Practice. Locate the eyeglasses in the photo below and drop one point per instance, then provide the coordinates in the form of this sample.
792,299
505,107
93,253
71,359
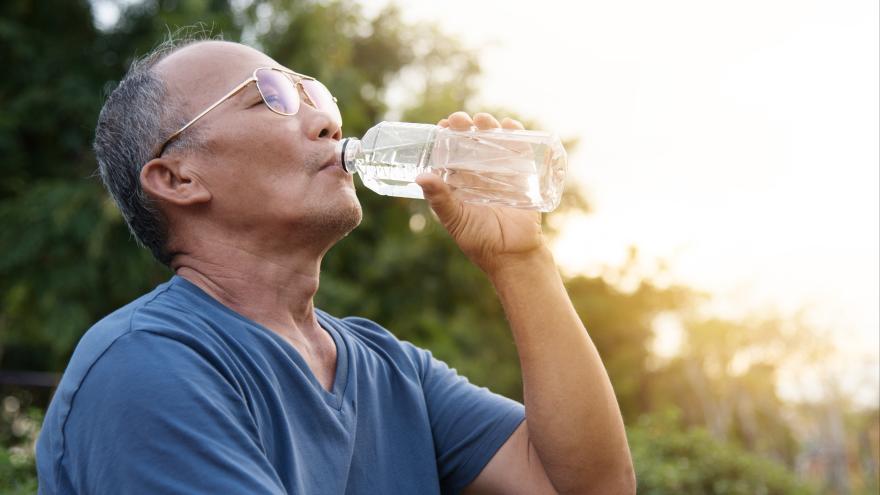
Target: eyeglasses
280,90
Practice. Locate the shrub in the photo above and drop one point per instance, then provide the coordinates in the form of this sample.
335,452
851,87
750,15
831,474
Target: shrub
18,432
672,460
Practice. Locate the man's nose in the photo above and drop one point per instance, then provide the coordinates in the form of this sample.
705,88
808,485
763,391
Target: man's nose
319,124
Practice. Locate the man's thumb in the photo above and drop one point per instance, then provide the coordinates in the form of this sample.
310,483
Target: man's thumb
439,196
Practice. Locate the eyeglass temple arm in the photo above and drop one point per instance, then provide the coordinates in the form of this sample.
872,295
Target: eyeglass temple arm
228,95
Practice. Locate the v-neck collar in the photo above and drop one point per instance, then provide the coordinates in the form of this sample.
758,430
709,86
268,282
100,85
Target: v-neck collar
334,397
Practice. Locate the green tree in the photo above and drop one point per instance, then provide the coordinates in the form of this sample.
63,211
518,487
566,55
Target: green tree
725,379
671,459
67,256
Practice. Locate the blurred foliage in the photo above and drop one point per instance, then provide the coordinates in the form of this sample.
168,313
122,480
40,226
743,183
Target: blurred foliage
621,325
69,259
19,424
671,458
725,378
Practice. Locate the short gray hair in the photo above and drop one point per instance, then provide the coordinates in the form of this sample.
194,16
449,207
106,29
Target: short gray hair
137,116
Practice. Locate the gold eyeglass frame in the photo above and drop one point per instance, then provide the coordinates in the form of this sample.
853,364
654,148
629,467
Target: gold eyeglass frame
295,77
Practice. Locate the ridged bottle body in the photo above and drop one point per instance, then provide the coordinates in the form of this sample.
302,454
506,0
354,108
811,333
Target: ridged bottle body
523,169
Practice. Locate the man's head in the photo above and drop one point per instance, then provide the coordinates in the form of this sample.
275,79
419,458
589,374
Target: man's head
242,174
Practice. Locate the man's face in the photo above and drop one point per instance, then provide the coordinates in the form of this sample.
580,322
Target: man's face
267,173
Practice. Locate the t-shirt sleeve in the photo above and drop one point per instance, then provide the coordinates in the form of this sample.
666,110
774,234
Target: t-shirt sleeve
155,416
469,423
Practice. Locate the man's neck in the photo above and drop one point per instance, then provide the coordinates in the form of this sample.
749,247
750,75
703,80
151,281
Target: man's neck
275,290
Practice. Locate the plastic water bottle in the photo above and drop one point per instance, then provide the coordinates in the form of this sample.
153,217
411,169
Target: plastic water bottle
523,169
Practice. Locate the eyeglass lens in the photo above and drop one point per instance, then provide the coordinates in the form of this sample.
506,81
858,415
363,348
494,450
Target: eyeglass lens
322,98
280,93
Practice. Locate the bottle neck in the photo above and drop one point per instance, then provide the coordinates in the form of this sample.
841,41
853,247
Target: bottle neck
347,149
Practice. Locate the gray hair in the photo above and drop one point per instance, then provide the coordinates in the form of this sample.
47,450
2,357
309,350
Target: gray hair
137,116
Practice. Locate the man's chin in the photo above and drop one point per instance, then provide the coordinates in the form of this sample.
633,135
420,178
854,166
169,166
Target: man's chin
338,222
354,219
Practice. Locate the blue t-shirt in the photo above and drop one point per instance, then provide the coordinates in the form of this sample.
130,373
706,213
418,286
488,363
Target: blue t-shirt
176,393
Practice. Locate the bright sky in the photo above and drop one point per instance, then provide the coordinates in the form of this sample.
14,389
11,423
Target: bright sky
736,140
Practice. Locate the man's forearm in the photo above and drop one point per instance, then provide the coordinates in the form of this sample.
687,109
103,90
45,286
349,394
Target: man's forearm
573,417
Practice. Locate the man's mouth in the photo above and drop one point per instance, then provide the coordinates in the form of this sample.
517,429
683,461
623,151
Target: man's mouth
333,161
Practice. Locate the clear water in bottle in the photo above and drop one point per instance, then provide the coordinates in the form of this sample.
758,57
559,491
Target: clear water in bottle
524,169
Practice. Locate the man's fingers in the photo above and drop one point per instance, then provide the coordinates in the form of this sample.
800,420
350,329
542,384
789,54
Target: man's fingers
509,123
460,121
485,121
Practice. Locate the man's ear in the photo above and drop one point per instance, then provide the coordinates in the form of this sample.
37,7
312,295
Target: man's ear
170,180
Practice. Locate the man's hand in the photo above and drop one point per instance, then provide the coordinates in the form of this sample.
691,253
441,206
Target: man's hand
491,236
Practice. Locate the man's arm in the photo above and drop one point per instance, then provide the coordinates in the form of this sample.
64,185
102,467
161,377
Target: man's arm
574,424
574,433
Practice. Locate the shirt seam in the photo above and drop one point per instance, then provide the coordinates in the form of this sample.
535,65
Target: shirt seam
128,331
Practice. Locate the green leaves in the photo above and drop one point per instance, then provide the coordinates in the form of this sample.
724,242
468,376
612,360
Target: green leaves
670,458
68,259
19,425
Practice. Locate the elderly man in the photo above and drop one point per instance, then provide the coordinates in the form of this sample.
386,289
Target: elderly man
226,379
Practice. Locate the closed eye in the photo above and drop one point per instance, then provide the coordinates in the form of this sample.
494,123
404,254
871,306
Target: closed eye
272,100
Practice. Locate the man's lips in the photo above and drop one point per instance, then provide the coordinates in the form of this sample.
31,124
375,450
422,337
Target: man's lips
333,161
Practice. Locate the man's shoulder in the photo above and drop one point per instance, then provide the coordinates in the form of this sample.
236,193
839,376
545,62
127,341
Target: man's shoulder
126,346
153,319
174,309
100,336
